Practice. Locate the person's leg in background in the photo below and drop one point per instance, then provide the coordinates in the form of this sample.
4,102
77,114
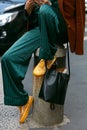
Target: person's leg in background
14,65
48,22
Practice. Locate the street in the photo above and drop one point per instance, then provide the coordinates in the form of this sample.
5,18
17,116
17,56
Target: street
75,108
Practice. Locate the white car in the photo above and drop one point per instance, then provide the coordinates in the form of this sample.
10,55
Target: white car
86,5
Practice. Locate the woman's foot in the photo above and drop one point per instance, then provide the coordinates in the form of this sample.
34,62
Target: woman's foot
24,111
40,69
50,63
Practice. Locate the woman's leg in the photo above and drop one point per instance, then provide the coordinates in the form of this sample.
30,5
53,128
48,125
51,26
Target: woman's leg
14,65
48,22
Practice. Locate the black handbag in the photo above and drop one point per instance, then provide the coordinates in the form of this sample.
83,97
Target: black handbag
54,85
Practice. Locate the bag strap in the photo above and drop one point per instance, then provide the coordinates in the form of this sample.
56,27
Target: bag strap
68,58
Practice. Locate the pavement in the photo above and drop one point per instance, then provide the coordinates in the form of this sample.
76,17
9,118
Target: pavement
75,107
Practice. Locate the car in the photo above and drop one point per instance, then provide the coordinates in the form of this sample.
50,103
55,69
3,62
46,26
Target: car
86,5
13,23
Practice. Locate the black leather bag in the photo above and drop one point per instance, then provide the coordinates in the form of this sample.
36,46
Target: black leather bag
54,85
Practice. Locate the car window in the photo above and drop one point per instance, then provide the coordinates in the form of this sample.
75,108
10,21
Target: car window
18,1
13,1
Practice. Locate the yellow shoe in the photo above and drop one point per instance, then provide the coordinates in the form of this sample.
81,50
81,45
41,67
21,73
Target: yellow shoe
40,69
50,63
26,109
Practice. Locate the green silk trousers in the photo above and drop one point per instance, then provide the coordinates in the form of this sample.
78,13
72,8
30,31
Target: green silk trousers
16,59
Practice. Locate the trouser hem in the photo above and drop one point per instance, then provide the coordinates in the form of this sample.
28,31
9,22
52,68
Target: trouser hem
15,101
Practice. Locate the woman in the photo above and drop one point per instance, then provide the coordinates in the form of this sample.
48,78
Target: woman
45,23
73,12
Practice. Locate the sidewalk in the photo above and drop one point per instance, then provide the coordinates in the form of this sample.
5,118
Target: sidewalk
75,108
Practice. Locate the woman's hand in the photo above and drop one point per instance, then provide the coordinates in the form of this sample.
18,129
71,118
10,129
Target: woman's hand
31,3
41,2
29,6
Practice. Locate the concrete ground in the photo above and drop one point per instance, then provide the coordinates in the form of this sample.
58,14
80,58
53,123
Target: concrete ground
75,108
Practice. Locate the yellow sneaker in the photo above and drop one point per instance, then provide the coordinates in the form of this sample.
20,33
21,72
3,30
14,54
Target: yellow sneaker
50,62
26,109
40,69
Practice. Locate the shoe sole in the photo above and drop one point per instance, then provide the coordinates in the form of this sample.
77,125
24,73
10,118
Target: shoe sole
38,75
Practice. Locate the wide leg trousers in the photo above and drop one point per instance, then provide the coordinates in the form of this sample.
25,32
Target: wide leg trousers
15,61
